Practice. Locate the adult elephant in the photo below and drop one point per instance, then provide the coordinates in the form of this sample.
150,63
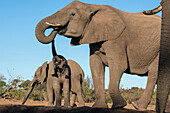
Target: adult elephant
163,83
125,42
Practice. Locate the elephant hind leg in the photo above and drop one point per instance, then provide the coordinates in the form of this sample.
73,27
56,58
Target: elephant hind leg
73,97
80,99
78,93
145,99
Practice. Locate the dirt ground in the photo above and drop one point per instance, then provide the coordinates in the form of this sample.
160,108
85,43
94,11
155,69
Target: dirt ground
15,106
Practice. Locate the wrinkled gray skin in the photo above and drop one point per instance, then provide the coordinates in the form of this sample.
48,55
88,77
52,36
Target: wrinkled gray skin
125,42
58,77
163,82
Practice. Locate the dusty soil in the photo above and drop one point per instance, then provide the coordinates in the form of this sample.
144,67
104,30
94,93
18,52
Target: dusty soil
15,106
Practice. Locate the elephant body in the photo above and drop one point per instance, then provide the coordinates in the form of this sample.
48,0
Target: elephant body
74,80
125,42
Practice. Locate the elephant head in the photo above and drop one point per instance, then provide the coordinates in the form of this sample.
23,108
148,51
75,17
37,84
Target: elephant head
59,62
83,23
39,78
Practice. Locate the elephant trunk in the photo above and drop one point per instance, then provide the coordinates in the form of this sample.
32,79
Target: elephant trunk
40,29
53,49
29,91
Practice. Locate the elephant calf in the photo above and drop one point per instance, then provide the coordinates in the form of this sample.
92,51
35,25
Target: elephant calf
60,73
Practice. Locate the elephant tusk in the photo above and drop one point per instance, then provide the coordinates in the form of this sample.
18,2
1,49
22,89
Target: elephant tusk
56,25
72,44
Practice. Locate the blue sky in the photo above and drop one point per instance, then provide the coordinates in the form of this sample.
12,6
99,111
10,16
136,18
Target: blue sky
21,53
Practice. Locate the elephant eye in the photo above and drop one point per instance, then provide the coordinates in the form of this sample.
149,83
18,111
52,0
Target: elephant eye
73,14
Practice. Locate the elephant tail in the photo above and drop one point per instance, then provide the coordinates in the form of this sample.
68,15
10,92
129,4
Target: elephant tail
82,82
153,11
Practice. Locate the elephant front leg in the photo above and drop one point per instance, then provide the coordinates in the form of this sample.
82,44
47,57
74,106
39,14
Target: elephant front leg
57,92
66,93
50,91
116,72
97,70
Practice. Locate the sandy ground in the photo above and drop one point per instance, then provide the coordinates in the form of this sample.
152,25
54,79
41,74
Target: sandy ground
45,103
15,106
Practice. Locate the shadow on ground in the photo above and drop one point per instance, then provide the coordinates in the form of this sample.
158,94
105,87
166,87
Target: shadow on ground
45,109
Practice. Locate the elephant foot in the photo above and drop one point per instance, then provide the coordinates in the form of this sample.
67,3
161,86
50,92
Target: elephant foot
57,105
118,106
49,104
99,104
74,105
66,106
137,106
81,105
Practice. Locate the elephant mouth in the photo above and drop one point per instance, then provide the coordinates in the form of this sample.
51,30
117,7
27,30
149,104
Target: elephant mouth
61,30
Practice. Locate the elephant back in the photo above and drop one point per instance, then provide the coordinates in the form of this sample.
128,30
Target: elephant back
74,68
77,74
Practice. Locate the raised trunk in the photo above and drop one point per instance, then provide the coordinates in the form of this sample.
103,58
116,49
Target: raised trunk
40,29
163,83
29,91
53,49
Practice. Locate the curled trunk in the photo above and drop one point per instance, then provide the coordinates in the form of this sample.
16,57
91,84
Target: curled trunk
53,49
55,56
40,29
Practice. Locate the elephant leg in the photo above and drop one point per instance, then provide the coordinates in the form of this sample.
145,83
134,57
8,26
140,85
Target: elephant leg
80,99
145,99
66,93
97,70
50,92
78,90
117,62
57,92
73,97
116,72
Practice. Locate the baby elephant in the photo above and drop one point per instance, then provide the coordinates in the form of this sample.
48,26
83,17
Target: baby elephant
66,73
60,74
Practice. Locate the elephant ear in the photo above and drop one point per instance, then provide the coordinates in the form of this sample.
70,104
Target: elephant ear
41,73
106,24
52,71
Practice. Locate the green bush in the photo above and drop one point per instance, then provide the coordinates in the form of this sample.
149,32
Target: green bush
40,92
89,91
